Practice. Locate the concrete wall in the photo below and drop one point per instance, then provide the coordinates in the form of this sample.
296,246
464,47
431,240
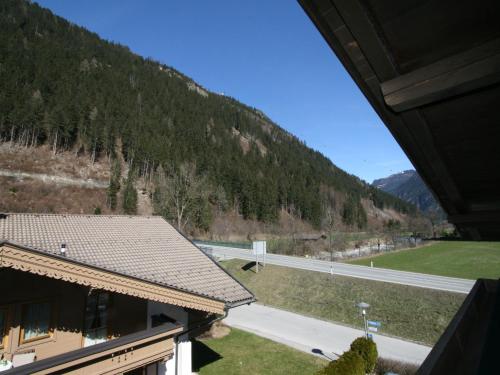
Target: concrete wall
182,358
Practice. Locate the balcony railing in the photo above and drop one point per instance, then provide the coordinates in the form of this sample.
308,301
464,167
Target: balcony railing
112,357
470,343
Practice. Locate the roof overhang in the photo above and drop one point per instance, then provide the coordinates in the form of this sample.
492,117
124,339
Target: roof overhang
431,70
469,345
58,267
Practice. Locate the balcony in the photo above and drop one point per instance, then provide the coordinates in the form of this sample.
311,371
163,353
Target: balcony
470,344
116,356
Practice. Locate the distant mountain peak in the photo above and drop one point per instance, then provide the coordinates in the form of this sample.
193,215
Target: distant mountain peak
409,186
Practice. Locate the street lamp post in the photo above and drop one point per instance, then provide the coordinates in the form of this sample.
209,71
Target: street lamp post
363,306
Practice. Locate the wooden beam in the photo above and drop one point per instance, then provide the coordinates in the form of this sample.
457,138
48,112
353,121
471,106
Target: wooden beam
459,74
436,174
475,217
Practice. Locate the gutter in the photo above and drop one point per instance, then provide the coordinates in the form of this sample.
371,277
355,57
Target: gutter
241,303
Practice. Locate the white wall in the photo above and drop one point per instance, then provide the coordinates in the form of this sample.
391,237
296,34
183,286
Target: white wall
182,351
184,361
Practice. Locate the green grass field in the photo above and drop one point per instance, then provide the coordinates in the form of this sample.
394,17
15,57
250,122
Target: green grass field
469,260
413,313
244,353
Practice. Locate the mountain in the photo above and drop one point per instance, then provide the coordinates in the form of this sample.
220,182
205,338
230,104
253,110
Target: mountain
409,186
63,87
392,183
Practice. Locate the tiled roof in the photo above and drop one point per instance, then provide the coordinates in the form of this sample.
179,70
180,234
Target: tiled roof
143,247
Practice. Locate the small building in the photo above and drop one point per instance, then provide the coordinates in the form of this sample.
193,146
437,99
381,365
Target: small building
105,294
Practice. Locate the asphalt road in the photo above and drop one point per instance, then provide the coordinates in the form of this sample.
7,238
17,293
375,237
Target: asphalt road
316,336
378,274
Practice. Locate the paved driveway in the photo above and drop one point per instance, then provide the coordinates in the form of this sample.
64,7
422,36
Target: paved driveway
314,336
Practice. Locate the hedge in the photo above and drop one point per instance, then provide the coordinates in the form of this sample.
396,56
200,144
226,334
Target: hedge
367,349
360,360
349,363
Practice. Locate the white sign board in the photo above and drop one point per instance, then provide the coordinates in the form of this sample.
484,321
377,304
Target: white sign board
259,247
373,329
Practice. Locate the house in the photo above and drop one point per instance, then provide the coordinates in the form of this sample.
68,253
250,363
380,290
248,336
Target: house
431,71
105,294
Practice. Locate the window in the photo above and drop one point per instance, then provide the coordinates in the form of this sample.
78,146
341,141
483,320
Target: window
35,322
3,326
96,318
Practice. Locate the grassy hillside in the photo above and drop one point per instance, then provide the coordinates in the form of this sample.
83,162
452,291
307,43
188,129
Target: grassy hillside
243,353
464,259
413,313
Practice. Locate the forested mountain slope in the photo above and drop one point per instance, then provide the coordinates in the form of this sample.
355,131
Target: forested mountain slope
409,186
63,86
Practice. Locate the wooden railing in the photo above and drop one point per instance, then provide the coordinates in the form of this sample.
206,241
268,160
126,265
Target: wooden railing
469,345
112,357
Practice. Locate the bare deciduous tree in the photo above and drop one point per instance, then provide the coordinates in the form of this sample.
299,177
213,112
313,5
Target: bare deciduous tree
177,192
220,200
329,219
330,227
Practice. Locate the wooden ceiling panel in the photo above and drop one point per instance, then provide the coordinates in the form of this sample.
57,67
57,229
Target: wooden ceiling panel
420,32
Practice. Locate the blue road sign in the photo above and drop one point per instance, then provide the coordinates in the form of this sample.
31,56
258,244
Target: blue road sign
370,336
373,323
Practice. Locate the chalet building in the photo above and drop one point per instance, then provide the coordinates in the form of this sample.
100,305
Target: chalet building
104,295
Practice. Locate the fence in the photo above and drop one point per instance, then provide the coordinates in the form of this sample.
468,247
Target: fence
240,245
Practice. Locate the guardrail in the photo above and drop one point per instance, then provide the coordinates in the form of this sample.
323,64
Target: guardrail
239,245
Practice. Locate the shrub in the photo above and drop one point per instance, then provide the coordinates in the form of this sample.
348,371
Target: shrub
385,365
349,363
367,349
97,210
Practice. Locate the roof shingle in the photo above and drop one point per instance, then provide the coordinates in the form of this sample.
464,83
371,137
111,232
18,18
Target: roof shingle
144,247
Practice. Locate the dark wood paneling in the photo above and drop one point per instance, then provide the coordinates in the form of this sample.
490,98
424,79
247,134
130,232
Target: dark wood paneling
456,75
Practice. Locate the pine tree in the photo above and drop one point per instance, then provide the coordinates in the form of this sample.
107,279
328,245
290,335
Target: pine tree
130,195
114,184
63,86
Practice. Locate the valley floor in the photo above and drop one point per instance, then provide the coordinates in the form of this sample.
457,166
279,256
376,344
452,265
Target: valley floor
464,259
412,313
421,280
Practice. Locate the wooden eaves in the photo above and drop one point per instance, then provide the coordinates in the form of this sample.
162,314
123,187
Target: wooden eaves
58,267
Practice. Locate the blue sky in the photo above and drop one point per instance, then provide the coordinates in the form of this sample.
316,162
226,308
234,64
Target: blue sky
266,54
